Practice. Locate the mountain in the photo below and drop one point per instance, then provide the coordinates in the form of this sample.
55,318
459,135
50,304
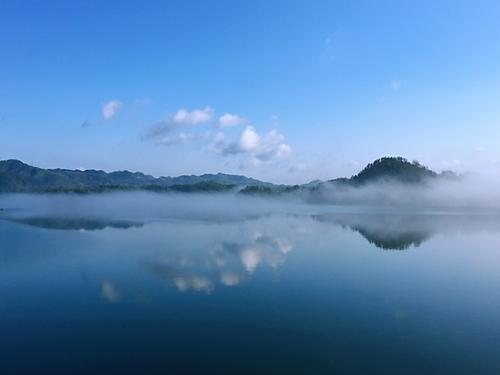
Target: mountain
16,176
395,169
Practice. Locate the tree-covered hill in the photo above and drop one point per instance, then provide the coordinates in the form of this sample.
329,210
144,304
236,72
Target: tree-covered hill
16,176
395,169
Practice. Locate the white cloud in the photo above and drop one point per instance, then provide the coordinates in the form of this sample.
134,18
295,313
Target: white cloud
168,132
276,152
196,116
229,119
249,140
261,148
254,148
110,109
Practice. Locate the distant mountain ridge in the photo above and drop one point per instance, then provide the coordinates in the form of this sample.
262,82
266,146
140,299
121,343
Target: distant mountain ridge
16,176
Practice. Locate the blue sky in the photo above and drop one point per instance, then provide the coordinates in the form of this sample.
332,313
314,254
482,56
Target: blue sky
284,91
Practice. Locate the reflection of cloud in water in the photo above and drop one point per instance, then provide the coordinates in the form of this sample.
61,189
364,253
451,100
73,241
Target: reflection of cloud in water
178,272
229,279
110,292
228,263
199,283
251,258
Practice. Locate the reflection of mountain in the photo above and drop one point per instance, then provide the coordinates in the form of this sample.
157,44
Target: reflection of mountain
393,241
387,231
61,223
392,231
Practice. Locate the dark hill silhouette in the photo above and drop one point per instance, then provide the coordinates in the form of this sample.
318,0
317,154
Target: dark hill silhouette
394,169
16,176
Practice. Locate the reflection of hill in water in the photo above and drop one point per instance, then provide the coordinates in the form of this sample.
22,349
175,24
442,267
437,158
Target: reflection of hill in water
391,231
393,241
60,223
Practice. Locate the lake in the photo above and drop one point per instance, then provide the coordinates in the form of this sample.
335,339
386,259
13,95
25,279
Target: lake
144,283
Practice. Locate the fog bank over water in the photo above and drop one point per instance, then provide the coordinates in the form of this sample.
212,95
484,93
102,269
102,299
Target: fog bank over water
390,216
465,193
142,206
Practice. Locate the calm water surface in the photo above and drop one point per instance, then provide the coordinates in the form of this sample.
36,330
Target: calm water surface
143,284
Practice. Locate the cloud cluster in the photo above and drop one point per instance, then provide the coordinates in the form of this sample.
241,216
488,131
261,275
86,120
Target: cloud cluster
250,146
195,117
228,120
261,147
181,138
228,263
110,109
171,130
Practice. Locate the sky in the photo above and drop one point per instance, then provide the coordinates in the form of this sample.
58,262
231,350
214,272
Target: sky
284,91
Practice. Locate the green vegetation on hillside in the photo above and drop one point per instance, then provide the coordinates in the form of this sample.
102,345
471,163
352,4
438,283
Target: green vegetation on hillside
393,168
16,176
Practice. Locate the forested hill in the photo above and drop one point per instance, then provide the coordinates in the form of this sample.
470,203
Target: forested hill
394,169
389,169
16,176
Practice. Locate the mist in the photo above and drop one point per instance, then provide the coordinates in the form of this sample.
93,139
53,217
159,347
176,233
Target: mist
465,195
468,193
141,206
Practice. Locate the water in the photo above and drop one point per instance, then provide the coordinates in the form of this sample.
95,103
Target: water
157,284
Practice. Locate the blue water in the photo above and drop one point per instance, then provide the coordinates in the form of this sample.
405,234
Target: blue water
135,284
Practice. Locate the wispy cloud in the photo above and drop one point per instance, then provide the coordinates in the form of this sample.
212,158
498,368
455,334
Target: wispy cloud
229,119
170,131
110,109
194,117
251,147
178,138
